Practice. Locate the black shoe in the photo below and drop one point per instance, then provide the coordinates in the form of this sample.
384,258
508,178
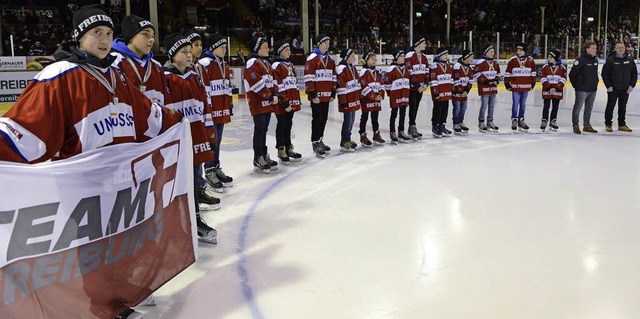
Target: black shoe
226,180
206,201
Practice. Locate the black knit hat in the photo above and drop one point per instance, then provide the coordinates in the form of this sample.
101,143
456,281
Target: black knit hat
215,41
173,43
192,36
441,51
132,25
487,48
255,43
522,46
368,55
397,54
87,18
466,54
417,40
345,53
555,54
280,46
321,38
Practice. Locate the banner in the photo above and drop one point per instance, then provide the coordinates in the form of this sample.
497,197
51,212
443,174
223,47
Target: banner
90,236
13,83
13,63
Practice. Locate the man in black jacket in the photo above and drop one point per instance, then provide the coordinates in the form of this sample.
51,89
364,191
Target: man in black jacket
584,78
620,76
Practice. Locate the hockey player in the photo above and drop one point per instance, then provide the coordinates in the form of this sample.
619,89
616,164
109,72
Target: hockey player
418,66
135,58
45,123
262,95
320,85
553,78
182,83
397,83
487,75
372,95
519,79
441,91
348,97
462,83
219,88
285,76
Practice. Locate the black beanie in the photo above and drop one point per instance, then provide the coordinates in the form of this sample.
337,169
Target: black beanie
89,17
254,44
556,54
466,54
133,24
344,54
173,43
192,36
280,46
417,40
441,51
367,56
487,48
397,54
215,41
522,46
321,38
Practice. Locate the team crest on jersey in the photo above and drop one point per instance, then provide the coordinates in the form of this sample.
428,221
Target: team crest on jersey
575,62
122,77
253,75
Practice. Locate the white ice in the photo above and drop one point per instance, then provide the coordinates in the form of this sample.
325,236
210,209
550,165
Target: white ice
514,225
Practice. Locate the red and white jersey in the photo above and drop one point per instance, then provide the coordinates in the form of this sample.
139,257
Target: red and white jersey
372,88
284,73
462,81
418,66
185,96
520,74
147,75
441,83
259,85
487,75
218,76
397,83
553,76
348,88
66,110
320,76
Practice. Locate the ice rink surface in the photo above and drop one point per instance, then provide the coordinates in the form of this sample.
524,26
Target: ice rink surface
509,225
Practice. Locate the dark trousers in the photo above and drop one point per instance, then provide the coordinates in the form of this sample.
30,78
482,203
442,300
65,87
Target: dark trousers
319,115
260,127
440,111
283,129
394,114
622,97
554,109
414,103
216,148
374,121
347,126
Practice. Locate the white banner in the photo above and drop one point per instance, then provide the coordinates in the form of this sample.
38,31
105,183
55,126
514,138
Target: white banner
10,63
13,83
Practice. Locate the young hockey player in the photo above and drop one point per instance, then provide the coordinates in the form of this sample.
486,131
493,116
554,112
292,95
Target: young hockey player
462,83
372,95
487,75
320,85
135,58
397,83
262,95
285,76
181,82
519,79
418,66
441,91
219,88
348,97
553,78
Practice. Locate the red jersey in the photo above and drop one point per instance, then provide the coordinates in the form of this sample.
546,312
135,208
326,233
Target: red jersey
66,110
487,75
371,83
441,81
259,85
553,77
520,74
184,97
146,74
462,81
397,84
348,88
418,66
218,77
285,76
320,76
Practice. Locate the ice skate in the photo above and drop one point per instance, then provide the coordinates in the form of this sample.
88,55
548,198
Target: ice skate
377,139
